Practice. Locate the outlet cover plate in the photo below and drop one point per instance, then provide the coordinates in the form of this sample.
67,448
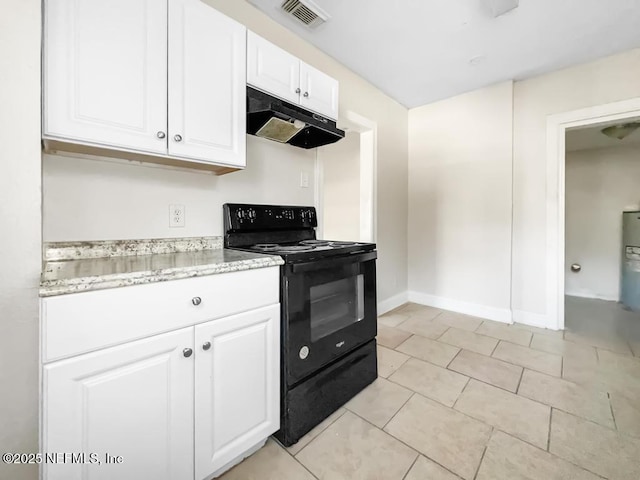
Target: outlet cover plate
176,216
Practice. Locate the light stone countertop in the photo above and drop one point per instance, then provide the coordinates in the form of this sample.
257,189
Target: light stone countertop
77,275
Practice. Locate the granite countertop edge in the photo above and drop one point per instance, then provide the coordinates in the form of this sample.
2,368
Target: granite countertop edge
50,288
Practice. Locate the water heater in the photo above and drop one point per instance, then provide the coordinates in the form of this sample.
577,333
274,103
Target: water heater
630,281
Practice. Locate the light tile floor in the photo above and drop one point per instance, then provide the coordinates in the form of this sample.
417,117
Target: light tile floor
459,397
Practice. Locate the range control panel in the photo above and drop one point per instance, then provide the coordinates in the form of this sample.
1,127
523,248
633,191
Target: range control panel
245,217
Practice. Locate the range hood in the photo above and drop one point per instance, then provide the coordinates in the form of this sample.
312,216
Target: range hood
272,118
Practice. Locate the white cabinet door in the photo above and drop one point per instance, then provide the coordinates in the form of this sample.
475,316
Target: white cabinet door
271,69
319,91
207,83
105,72
237,386
134,401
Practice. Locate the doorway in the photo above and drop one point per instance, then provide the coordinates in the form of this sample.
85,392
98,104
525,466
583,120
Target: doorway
602,206
345,182
557,127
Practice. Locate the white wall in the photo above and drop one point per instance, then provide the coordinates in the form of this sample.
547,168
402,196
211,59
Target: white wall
102,200
341,188
607,80
460,153
600,184
20,250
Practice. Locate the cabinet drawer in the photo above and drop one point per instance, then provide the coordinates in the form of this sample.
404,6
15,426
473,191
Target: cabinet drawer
82,322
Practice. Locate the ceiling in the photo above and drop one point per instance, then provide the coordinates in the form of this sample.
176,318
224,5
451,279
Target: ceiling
420,51
592,137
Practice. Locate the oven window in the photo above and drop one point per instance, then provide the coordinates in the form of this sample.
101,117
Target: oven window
336,305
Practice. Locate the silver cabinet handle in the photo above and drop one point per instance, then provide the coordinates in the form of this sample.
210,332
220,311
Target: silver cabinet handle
161,134
206,345
196,301
298,91
187,352
177,138
305,94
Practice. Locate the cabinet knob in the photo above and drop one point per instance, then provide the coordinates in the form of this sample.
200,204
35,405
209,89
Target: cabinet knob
298,91
177,138
161,134
196,301
187,352
206,345
305,94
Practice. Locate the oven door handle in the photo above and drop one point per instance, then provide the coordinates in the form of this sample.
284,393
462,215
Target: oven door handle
329,263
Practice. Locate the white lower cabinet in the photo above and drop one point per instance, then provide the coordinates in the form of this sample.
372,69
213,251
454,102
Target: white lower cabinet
197,398
237,386
134,401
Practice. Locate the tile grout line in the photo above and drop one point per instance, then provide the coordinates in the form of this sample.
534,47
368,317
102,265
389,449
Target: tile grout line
495,348
549,432
483,454
398,411
613,415
453,407
520,382
411,466
454,357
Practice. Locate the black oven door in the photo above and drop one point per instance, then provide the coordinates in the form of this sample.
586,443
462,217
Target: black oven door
329,308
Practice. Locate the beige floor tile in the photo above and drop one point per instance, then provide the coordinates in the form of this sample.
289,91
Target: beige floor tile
317,430
450,438
392,319
271,462
595,448
487,369
518,416
469,341
541,331
532,359
417,309
624,364
352,449
558,346
502,331
425,469
627,414
458,320
617,345
391,337
430,380
379,401
508,458
423,326
568,396
429,350
635,347
389,361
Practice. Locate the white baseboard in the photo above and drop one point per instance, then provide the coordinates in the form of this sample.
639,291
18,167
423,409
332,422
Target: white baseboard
483,311
532,319
390,303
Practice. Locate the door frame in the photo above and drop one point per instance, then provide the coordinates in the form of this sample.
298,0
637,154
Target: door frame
557,126
368,130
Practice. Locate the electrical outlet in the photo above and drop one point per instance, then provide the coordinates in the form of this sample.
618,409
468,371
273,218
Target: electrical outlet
304,179
176,216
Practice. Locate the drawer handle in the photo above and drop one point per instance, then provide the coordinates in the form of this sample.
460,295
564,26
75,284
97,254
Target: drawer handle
206,345
187,352
196,301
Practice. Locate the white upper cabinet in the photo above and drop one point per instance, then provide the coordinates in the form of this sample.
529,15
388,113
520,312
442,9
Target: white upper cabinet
237,397
319,92
207,72
133,401
273,70
105,67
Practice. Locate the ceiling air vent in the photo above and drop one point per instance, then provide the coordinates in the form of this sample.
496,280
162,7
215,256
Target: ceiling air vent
305,11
